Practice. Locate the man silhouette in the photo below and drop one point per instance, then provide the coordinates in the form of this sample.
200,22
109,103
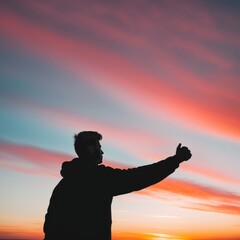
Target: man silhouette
80,205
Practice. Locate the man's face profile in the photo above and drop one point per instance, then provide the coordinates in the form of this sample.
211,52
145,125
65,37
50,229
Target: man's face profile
96,152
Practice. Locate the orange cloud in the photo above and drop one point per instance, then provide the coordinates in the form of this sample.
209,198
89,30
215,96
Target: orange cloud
197,192
222,208
10,232
194,190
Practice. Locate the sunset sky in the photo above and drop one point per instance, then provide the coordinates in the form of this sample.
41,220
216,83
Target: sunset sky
147,75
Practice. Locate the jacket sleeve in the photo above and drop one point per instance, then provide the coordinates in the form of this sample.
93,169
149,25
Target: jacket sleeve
134,179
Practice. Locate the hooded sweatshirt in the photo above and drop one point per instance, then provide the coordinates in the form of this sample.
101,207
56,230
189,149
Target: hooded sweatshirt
80,205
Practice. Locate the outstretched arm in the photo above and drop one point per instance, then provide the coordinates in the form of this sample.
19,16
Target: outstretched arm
134,179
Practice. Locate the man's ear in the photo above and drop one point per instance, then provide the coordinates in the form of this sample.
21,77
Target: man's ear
90,148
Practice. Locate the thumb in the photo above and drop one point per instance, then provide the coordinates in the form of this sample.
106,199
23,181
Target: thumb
179,146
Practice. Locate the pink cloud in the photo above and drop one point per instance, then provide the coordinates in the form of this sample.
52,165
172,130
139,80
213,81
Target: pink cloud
210,173
31,154
41,162
201,23
119,74
30,160
203,53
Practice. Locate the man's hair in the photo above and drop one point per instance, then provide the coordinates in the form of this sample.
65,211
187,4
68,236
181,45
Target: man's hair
85,138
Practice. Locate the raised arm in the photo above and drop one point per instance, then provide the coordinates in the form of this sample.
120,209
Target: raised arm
134,179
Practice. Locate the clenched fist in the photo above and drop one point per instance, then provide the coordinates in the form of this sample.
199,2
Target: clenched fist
183,153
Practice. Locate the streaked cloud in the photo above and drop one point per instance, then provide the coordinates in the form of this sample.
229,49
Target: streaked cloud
203,194
194,190
211,173
221,208
219,102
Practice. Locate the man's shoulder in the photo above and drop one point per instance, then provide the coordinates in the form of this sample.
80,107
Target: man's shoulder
103,167
107,169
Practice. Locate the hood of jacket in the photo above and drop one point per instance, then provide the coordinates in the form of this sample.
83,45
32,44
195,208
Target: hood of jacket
74,167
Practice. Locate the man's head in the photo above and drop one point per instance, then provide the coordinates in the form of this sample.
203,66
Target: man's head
87,144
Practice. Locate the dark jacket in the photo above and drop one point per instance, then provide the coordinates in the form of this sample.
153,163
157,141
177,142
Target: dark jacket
80,205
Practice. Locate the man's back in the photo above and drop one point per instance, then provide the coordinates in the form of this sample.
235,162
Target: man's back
80,206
